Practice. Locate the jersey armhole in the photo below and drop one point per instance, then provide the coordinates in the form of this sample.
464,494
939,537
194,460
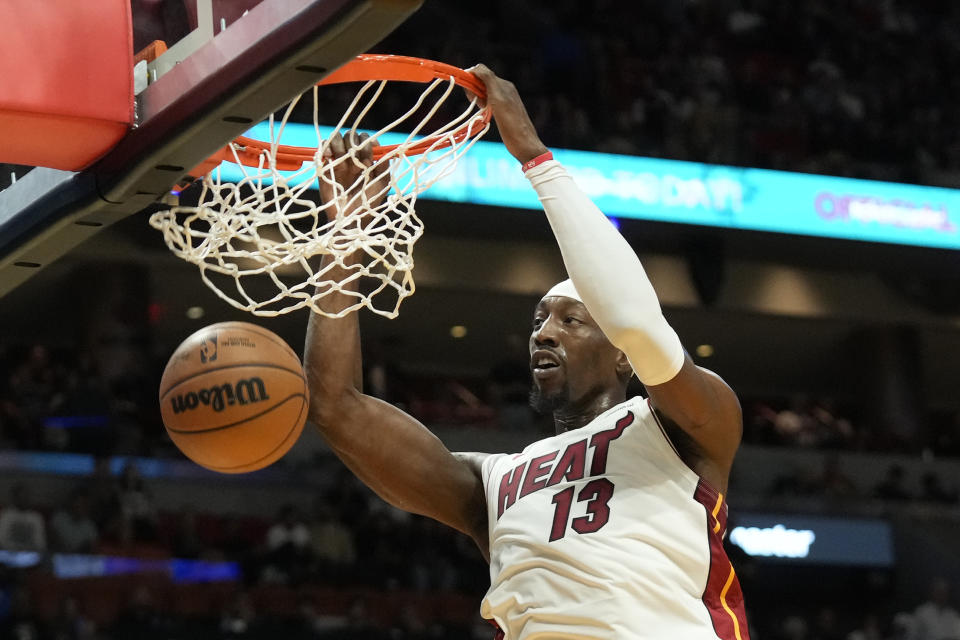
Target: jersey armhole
486,471
663,431
709,488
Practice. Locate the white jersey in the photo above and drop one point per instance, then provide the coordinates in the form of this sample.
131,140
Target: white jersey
604,533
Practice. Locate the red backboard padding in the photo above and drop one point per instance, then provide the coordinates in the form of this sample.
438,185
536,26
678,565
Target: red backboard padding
66,81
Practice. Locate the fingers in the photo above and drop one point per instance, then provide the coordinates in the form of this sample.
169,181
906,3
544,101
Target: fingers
350,155
336,147
471,96
360,144
483,72
489,80
365,149
516,129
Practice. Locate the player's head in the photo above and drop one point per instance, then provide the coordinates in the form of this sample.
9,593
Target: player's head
573,363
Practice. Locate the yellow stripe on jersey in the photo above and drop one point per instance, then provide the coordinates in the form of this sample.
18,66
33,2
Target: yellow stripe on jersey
716,510
726,607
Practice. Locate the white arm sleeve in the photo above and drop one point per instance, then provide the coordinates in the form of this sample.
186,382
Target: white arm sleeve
608,276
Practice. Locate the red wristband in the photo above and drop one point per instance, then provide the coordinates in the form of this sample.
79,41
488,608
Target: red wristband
540,159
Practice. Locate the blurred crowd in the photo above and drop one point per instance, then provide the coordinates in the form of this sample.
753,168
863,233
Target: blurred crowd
349,567
818,422
796,86
934,618
800,87
118,515
349,541
58,399
832,482
62,399
240,614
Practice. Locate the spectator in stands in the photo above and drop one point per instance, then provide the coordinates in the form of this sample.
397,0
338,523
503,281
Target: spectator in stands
903,627
32,386
870,629
359,623
409,626
834,483
945,435
310,624
233,543
831,430
237,619
827,627
937,619
34,383
137,510
142,619
70,623
15,429
72,529
795,627
794,426
288,546
892,487
186,542
331,543
797,481
21,526
934,491
22,621
509,388
104,493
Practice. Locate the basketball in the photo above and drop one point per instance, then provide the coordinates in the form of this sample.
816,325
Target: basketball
233,397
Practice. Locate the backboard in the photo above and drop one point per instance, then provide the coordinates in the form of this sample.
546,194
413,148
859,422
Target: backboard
230,63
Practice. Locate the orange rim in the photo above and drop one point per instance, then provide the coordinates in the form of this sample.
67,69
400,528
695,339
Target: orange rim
364,68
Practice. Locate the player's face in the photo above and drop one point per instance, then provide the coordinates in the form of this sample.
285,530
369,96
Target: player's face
571,360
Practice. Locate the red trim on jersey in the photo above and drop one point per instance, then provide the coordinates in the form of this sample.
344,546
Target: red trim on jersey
722,595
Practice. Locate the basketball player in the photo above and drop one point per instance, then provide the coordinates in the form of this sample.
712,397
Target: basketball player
610,529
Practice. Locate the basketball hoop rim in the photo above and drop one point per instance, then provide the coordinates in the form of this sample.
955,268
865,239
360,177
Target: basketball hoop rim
364,68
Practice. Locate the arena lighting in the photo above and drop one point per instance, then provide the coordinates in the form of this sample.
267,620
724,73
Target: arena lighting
697,193
20,559
66,565
705,350
777,541
82,464
458,331
195,313
814,540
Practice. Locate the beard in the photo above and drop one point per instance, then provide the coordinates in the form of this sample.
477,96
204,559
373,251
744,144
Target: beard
545,403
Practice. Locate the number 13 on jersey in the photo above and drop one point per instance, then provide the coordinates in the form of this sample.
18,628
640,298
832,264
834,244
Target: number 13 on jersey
596,494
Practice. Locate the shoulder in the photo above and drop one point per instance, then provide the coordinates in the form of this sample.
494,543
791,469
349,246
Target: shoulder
473,460
703,405
478,464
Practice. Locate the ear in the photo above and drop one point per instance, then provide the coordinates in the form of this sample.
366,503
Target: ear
624,370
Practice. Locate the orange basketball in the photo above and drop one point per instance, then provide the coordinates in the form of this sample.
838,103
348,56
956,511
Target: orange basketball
234,397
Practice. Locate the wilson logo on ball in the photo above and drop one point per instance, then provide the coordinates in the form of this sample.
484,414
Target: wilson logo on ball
221,396
208,349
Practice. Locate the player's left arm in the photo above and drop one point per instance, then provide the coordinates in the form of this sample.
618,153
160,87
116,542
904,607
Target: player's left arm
705,407
611,280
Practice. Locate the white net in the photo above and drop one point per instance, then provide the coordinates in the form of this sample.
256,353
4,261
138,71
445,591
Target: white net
259,241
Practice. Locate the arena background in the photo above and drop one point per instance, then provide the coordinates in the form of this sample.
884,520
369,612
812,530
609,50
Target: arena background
843,352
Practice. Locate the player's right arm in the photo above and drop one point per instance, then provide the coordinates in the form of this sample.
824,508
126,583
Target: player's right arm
618,294
390,451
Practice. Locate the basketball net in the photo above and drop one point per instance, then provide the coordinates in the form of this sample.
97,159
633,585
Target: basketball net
258,241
